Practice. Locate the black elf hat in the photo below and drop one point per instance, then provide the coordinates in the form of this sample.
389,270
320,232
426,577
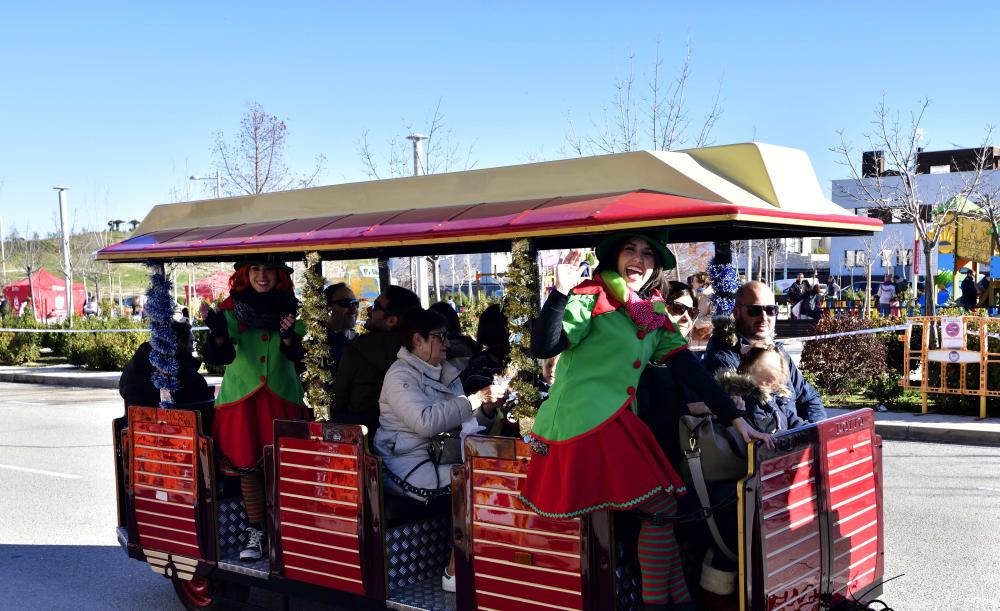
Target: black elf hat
267,260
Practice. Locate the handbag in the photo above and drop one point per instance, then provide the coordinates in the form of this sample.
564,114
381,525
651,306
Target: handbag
722,449
446,449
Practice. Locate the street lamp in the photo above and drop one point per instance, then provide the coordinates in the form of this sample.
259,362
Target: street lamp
68,274
218,182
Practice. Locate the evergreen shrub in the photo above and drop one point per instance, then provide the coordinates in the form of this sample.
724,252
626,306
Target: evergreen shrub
105,351
19,348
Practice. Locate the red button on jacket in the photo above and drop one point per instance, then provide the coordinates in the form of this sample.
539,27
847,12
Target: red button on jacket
261,359
641,334
630,390
263,338
637,364
263,378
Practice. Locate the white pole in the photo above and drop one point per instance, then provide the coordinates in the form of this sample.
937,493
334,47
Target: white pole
784,244
68,278
218,185
749,260
420,281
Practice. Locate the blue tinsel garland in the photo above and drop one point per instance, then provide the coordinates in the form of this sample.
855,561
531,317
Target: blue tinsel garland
159,312
725,282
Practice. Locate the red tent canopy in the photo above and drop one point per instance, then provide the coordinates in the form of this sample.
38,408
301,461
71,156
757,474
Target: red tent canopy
50,295
211,287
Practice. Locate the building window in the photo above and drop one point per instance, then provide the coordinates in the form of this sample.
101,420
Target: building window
854,258
886,258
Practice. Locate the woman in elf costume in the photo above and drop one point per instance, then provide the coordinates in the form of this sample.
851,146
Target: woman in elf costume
591,452
254,332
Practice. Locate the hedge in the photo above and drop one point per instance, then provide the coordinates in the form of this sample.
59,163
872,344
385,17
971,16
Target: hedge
19,348
104,351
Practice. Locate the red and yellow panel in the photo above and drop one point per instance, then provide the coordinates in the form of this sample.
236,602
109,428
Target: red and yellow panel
319,510
521,560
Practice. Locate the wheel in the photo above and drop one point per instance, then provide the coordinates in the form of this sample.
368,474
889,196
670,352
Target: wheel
204,593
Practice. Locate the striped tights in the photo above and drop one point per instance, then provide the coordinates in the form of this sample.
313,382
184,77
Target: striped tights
252,487
659,559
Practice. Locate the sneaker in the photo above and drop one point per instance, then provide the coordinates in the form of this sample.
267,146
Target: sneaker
254,549
447,582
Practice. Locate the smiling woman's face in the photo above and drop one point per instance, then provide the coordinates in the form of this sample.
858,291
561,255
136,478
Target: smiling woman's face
636,262
263,278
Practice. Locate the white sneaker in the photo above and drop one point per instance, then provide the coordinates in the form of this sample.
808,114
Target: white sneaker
254,549
447,582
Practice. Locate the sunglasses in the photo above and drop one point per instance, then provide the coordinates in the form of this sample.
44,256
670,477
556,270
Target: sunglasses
679,309
345,302
757,309
378,307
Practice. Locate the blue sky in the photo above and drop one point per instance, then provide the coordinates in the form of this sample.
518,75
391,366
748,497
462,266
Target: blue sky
120,100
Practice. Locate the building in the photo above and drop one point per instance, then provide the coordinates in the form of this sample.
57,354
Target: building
897,251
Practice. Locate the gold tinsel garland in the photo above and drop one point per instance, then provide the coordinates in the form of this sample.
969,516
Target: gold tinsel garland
316,379
520,305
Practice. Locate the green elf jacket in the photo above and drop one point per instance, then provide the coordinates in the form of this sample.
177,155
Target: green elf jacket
259,362
598,377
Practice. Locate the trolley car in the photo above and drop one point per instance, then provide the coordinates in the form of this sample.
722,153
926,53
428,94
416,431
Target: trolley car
810,510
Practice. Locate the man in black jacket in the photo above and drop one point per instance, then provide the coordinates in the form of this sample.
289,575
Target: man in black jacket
755,314
136,382
360,372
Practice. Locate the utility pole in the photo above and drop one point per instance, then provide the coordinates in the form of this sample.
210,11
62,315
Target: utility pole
419,169
64,221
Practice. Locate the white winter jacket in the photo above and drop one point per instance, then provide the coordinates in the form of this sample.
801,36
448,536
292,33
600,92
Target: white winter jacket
419,401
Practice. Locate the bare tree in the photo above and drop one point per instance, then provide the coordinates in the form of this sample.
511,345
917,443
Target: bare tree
253,162
873,246
656,118
28,252
987,197
895,187
442,152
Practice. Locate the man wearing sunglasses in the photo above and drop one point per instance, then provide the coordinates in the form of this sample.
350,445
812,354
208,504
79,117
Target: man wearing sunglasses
342,315
366,359
755,313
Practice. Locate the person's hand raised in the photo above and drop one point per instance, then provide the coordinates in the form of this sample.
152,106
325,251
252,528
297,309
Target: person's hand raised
569,271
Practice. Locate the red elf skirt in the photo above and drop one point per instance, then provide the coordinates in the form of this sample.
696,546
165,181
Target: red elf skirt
243,428
617,465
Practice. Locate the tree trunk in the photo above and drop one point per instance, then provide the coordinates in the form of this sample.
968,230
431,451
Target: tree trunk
31,293
868,292
929,298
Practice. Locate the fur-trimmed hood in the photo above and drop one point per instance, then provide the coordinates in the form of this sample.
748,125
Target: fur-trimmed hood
724,330
742,385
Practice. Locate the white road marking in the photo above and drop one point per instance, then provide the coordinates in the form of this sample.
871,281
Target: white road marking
25,403
41,472
987,488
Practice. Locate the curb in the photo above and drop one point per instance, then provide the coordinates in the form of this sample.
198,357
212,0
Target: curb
937,433
60,380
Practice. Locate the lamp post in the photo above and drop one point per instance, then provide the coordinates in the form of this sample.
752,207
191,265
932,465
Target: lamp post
68,274
419,169
218,182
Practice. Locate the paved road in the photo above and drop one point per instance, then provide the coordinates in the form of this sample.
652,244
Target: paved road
57,511
57,514
942,515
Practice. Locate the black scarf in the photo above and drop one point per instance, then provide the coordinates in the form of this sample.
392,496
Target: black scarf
263,310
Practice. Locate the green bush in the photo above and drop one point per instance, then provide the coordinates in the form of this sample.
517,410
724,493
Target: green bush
19,348
104,351
845,364
884,389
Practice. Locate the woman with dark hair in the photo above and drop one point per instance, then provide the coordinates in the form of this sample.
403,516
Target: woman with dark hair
421,398
591,452
493,356
255,334
461,347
